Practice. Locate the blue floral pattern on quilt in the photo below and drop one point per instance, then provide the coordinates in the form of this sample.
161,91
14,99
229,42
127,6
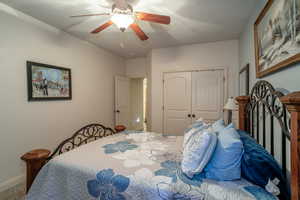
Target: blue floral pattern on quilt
152,172
108,186
121,146
128,132
172,169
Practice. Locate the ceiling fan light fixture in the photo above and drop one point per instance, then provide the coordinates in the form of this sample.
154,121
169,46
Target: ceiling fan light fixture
123,21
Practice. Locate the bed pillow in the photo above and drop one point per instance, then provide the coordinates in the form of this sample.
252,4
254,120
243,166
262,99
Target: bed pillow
198,152
225,164
218,125
199,126
198,123
258,166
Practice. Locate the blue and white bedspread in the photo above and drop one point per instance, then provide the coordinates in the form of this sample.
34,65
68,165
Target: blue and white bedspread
137,166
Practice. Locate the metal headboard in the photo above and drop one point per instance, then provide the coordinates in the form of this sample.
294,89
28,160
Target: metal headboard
85,135
262,111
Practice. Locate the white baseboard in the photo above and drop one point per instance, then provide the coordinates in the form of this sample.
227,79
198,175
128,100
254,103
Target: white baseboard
12,182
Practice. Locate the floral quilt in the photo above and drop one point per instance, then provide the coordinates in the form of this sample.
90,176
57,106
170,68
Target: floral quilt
132,166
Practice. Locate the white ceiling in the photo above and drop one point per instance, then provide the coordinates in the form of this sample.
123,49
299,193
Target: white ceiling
192,21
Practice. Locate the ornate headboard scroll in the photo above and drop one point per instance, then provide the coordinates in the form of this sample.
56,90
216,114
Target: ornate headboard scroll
85,135
37,158
262,110
257,114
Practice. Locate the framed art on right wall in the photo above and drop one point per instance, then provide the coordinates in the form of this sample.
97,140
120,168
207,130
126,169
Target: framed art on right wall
244,81
277,36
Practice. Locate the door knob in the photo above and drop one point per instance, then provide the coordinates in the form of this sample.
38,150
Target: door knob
189,115
117,111
193,115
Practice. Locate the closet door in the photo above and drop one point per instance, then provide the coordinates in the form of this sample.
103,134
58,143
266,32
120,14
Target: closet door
207,94
177,102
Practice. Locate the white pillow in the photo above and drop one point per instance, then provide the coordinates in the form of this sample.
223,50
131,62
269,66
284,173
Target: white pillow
198,152
188,135
197,126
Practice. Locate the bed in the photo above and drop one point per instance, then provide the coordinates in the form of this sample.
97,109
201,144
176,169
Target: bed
145,165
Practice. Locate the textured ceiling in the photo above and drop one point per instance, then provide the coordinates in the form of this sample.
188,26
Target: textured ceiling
192,21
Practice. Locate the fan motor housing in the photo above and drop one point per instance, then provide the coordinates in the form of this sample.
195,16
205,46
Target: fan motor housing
122,10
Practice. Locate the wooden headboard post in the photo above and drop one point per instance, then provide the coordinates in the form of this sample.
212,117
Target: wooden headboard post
242,103
292,102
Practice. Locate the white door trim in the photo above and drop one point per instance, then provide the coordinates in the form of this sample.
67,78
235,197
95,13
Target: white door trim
194,69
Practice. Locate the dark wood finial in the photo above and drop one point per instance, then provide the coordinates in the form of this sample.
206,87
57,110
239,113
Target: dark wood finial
242,103
35,160
120,128
292,102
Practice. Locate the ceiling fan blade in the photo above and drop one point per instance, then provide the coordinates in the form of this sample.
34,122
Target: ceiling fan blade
90,15
139,32
162,19
102,27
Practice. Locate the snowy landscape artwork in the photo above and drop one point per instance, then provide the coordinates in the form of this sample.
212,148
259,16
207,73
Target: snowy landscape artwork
277,36
47,82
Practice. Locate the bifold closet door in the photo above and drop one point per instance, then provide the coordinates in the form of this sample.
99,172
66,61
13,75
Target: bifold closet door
177,102
208,94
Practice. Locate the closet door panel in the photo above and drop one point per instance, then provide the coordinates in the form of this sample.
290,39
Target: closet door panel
208,94
177,102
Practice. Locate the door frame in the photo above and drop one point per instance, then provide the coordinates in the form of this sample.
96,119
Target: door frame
193,69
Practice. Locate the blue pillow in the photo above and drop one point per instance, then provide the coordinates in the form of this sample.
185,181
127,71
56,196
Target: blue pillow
218,125
198,152
225,164
258,166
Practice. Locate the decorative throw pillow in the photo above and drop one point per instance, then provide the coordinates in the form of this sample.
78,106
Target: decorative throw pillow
196,127
198,152
258,166
218,125
225,164
198,123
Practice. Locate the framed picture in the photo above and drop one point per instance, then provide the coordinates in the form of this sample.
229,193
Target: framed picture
277,36
244,81
46,82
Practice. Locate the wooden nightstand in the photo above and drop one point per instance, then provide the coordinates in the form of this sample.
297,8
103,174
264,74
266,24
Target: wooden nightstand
120,128
35,160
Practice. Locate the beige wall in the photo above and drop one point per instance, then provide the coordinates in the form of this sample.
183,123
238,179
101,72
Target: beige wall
136,68
287,78
218,54
29,125
149,91
136,103
141,68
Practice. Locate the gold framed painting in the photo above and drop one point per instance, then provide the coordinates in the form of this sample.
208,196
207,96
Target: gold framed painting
277,36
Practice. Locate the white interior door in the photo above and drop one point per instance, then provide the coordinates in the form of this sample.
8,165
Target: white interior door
177,102
208,94
122,101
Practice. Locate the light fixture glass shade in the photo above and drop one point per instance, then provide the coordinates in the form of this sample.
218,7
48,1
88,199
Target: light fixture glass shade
123,21
231,104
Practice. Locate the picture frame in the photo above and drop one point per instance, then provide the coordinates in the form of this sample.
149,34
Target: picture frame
244,78
277,36
48,83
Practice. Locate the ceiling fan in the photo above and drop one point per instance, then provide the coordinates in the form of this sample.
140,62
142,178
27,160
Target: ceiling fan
123,16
